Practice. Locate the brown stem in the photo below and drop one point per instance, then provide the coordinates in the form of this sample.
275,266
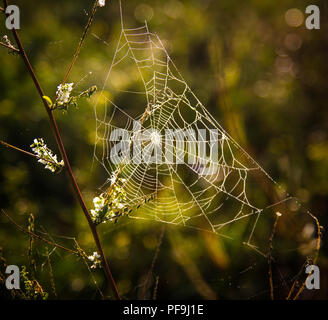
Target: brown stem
61,147
25,152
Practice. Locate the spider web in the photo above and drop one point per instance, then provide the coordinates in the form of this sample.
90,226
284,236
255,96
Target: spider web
239,191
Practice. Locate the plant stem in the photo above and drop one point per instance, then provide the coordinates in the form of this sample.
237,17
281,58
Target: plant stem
78,49
32,234
61,147
25,152
8,46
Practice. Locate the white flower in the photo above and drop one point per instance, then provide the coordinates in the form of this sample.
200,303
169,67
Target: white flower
46,156
99,204
109,207
101,3
95,258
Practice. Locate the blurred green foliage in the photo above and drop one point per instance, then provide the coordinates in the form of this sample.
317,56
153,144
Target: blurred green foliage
263,80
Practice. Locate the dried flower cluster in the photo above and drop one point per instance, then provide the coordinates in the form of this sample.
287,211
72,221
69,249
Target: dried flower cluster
64,97
63,94
110,206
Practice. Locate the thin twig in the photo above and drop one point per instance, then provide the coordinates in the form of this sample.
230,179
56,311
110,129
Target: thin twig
51,273
34,235
270,254
62,150
156,288
2,9
78,49
9,47
149,274
26,152
318,245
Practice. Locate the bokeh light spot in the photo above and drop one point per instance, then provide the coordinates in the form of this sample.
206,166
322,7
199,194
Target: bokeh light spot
294,17
143,12
293,41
